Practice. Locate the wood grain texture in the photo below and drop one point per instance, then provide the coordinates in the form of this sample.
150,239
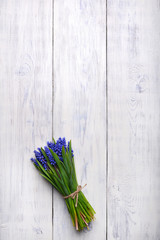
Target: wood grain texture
79,105
79,113
133,120
25,117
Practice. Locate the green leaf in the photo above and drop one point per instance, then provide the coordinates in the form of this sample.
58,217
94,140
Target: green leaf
62,172
53,173
74,170
43,170
69,163
70,147
49,180
67,168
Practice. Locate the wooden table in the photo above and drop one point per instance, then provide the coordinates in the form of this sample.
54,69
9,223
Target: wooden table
88,70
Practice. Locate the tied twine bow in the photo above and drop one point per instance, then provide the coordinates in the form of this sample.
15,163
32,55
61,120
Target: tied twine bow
75,194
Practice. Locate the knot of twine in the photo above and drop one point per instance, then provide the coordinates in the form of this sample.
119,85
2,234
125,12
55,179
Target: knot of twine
75,194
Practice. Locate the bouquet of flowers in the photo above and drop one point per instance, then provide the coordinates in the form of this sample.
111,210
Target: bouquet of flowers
56,164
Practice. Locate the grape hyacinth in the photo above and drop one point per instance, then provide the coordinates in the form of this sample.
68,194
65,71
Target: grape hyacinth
39,156
56,147
55,162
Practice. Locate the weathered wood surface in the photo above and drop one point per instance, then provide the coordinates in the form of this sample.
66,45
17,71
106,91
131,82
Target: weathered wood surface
133,53
25,117
80,105
72,103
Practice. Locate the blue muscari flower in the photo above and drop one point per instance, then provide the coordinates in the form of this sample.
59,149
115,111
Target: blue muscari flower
56,147
34,161
49,155
41,158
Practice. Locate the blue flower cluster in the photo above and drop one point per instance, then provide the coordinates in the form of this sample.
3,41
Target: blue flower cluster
49,155
39,156
56,147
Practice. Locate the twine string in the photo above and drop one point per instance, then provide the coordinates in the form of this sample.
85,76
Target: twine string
75,194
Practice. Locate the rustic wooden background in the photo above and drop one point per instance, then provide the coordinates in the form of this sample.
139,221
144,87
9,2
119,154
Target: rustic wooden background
88,70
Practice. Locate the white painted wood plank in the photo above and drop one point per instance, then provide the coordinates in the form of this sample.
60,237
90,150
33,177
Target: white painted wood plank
133,119
25,117
79,105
